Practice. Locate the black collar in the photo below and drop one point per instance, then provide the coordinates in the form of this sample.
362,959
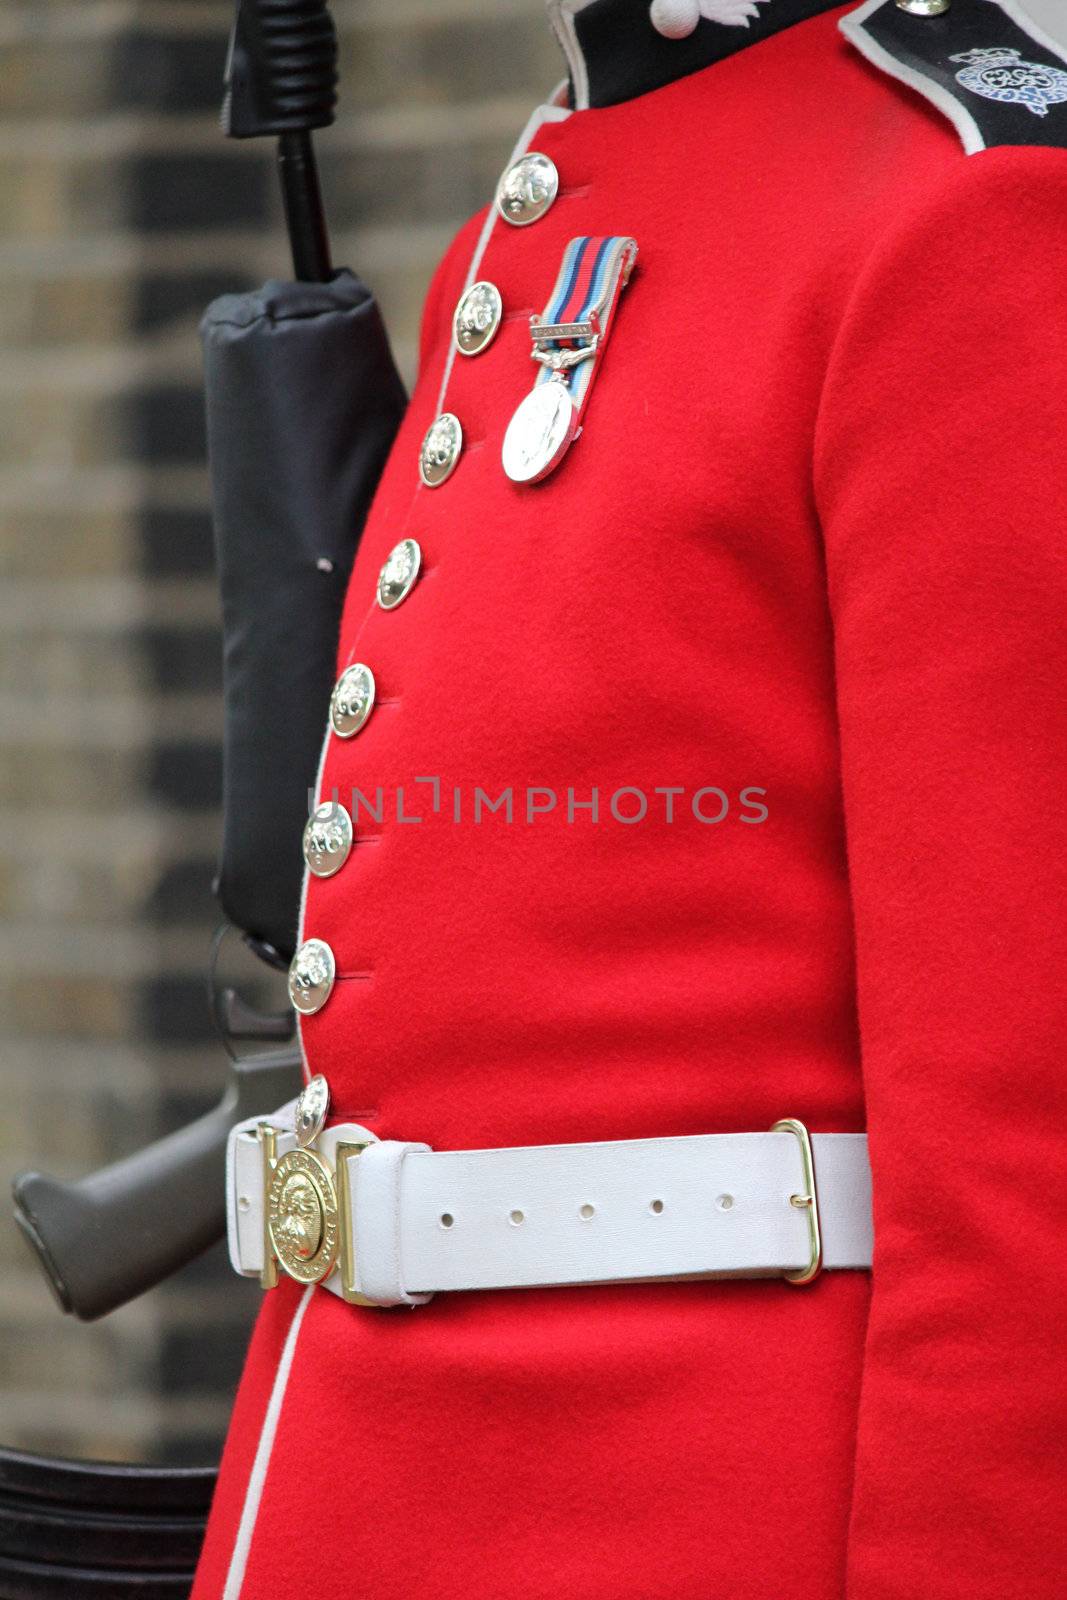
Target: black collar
614,53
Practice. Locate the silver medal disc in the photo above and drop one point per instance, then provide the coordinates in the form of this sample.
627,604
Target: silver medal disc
539,433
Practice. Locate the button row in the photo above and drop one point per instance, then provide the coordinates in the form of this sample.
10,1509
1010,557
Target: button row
525,192
328,833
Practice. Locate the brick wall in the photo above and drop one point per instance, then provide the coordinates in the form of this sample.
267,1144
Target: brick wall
122,211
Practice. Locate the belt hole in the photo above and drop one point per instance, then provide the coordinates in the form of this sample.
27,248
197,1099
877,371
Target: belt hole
586,1212
447,1219
516,1218
243,1203
724,1201
656,1207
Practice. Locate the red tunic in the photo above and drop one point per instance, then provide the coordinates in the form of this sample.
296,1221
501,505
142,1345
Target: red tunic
810,540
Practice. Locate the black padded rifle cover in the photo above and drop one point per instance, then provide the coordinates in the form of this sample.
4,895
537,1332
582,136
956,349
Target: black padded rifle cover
303,402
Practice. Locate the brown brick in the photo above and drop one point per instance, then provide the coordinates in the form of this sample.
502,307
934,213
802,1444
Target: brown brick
121,212
42,313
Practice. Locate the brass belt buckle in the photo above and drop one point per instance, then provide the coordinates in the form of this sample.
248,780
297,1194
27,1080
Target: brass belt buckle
307,1208
809,1200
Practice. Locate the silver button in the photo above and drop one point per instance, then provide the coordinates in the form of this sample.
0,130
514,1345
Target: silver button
397,578
924,8
477,318
527,189
311,975
327,839
311,1109
440,450
352,700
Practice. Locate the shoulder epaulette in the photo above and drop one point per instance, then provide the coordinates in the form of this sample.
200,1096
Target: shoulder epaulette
988,67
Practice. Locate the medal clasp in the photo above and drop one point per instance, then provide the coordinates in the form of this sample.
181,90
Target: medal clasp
555,346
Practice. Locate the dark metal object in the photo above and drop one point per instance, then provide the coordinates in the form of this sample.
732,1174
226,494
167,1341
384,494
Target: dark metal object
303,403
85,1528
108,1238
281,79
242,1021
304,214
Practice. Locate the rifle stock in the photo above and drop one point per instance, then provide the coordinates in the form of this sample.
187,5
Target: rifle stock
107,1238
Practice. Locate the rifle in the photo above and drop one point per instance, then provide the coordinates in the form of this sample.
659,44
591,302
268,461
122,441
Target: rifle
303,402
107,1238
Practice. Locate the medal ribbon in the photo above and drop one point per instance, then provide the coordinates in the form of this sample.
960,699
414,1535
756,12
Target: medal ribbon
591,275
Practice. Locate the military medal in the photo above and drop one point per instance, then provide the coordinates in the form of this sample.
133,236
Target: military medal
540,433
568,342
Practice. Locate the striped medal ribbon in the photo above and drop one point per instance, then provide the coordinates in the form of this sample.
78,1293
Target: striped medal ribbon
568,342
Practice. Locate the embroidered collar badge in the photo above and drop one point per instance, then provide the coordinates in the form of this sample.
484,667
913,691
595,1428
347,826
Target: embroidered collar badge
1001,74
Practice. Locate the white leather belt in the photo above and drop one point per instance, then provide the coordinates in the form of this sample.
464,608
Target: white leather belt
384,1222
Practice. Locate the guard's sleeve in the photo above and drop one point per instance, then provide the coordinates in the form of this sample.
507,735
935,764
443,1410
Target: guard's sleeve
941,482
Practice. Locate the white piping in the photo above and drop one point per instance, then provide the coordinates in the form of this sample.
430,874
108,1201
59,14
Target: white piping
235,1577
967,128
541,114
852,28
561,16
304,882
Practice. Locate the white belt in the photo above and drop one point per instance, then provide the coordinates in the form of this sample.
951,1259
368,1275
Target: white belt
392,1223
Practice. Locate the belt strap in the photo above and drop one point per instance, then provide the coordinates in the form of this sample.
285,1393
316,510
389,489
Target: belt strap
425,1222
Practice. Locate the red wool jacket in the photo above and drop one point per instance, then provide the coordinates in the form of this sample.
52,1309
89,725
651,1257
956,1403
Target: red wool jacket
811,540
